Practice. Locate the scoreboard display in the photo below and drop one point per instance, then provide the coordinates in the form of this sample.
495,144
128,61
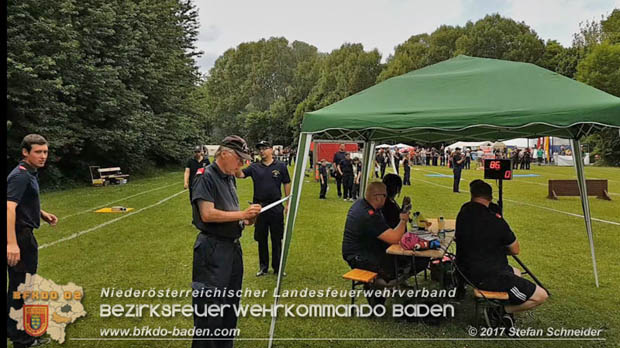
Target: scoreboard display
498,169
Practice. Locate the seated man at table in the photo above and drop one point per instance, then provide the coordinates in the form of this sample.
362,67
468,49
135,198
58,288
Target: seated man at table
391,212
367,235
483,241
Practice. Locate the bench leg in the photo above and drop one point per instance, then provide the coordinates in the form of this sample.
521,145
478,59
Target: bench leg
477,313
415,272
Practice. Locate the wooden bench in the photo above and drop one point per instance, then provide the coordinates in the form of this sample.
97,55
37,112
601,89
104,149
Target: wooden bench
359,277
491,295
596,188
103,176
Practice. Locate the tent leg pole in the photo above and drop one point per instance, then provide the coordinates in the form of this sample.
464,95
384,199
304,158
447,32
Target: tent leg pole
293,203
585,204
368,166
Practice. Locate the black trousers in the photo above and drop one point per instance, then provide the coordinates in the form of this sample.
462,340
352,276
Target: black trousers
435,161
323,189
428,161
457,178
383,170
339,183
269,223
467,163
29,259
407,176
218,265
397,165
355,194
347,183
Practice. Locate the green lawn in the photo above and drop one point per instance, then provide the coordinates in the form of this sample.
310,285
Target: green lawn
153,248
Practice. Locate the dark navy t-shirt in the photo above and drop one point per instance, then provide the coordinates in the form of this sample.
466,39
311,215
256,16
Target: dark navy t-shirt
323,171
346,166
339,157
267,181
482,238
220,189
194,165
22,187
361,231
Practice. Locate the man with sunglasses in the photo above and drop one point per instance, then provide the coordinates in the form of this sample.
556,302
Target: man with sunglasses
268,177
218,263
367,235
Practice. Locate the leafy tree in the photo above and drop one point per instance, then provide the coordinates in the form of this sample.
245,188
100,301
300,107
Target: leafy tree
501,38
105,81
345,71
601,69
254,88
410,55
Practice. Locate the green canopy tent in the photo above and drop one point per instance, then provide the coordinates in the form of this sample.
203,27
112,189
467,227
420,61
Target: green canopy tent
463,98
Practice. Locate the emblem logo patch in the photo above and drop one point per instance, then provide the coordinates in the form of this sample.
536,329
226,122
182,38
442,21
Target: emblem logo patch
36,319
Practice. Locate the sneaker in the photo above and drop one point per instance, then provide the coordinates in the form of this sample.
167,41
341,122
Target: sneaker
262,272
493,316
508,320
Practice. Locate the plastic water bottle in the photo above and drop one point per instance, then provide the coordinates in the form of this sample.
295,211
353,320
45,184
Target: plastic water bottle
442,228
416,216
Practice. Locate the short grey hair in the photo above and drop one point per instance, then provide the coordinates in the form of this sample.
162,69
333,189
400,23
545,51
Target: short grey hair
222,149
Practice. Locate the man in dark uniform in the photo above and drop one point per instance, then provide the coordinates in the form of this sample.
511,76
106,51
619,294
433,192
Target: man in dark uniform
339,157
345,170
193,164
457,167
218,261
396,158
268,176
23,215
367,236
435,156
406,169
483,241
323,179
381,160
468,158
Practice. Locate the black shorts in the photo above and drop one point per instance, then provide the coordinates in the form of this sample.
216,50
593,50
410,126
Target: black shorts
518,288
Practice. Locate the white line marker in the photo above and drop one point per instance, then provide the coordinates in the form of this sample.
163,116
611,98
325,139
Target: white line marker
77,234
533,205
118,200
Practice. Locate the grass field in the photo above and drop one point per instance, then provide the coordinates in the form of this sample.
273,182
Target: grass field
152,248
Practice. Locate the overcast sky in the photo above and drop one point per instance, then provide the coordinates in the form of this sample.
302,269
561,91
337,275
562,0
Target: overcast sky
380,24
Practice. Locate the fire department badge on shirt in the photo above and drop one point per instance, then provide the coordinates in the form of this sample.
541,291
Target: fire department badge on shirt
275,173
36,318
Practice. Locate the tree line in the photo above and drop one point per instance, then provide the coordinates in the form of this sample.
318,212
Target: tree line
116,83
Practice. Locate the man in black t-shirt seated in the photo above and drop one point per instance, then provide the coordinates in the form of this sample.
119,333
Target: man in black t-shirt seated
483,239
367,235
391,212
